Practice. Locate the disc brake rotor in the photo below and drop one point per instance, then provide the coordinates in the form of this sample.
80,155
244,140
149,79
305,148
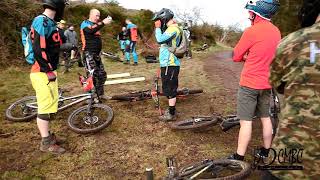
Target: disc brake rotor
25,109
89,120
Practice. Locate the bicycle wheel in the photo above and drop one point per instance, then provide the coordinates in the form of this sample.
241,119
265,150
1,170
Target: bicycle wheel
194,123
133,96
229,122
187,91
24,109
80,122
223,169
193,168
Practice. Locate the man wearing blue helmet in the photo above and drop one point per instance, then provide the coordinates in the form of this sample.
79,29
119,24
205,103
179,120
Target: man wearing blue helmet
258,43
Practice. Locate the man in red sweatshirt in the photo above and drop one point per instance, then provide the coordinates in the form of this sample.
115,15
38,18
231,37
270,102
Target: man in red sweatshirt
257,48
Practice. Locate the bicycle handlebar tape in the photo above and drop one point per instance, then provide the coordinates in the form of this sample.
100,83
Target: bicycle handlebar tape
149,173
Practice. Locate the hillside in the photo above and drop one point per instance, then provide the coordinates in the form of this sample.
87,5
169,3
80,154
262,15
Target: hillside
17,13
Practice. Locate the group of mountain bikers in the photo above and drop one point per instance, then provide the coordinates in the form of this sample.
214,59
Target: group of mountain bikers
69,47
294,67
128,38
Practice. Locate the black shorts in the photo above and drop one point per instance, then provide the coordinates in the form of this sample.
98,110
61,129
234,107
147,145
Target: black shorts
169,78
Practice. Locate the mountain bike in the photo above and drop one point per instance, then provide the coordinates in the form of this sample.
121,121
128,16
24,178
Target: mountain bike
111,56
202,122
154,94
90,118
221,169
274,110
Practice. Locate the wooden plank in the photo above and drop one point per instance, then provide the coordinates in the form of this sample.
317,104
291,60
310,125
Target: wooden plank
121,75
121,81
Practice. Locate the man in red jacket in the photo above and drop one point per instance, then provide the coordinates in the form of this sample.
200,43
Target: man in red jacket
258,44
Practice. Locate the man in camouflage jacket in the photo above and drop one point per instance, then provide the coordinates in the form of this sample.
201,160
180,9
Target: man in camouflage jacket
295,73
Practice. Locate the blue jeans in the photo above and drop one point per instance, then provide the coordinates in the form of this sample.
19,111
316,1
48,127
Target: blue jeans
131,49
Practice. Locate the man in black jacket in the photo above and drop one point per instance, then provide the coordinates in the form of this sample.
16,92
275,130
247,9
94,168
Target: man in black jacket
122,37
91,46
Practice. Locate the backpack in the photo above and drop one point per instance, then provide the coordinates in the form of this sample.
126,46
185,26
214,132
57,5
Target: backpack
27,44
134,34
181,49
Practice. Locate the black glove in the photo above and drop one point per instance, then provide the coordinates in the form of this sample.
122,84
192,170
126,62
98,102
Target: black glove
51,76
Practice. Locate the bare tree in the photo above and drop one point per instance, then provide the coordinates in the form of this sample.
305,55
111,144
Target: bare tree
230,28
191,16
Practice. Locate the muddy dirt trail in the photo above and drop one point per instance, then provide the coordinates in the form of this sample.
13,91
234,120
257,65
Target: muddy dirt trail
222,71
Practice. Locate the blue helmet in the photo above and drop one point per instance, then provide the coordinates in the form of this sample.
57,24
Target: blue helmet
264,8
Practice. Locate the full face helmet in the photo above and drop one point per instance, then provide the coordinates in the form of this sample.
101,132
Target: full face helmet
164,15
56,5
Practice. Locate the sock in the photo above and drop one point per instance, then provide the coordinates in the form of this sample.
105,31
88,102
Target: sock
238,157
264,152
172,110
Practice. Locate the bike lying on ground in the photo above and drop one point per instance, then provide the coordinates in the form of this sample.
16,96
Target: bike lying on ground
111,56
202,122
151,59
154,93
90,118
222,169
147,94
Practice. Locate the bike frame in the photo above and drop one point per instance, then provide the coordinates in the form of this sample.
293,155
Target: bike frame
77,99
210,163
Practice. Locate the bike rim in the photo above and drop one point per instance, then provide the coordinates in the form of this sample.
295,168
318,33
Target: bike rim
220,169
197,122
24,109
82,122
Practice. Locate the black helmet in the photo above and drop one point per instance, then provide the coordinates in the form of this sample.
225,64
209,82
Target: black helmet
164,15
309,12
57,5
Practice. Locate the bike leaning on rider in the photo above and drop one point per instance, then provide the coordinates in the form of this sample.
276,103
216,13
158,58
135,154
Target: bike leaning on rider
168,34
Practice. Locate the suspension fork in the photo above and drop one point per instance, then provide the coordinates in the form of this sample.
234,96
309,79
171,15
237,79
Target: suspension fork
89,107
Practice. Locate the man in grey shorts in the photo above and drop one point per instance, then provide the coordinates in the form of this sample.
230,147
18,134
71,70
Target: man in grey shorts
255,89
253,102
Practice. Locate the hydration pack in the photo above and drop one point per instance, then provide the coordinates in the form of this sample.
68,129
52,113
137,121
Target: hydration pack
27,44
181,49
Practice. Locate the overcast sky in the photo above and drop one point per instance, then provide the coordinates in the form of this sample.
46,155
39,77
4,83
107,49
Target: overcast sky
223,12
